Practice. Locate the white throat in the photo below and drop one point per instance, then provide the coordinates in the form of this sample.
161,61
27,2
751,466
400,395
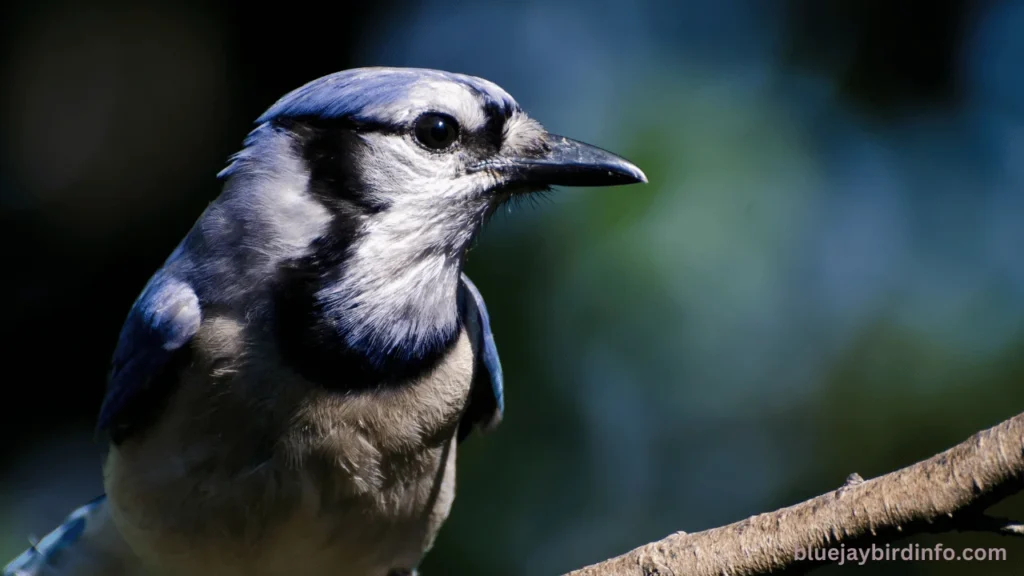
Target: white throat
393,296
398,285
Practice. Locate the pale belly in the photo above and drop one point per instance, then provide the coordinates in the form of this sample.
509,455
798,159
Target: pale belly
311,484
350,536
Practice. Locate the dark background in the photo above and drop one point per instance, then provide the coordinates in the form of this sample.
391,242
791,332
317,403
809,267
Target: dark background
824,275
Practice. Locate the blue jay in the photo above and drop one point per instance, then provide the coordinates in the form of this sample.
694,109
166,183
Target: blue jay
289,389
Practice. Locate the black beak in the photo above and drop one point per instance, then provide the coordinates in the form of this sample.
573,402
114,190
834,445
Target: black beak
568,162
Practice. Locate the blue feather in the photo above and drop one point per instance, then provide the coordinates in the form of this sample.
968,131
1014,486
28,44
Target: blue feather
163,319
363,93
44,553
487,399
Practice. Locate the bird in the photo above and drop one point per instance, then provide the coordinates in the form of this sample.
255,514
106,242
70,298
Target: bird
289,389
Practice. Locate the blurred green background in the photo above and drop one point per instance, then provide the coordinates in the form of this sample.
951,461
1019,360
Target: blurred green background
824,276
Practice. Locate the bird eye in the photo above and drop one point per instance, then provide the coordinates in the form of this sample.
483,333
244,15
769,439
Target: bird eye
436,131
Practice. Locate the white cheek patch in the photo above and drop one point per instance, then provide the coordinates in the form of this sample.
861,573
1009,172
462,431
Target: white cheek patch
398,172
399,283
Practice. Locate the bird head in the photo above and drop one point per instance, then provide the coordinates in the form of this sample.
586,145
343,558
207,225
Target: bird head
425,155
392,173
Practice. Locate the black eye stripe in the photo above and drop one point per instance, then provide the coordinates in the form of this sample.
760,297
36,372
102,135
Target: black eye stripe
494,129
482,142
328,147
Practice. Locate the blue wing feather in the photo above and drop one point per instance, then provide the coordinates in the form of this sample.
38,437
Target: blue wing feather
162,321
44,553
487,397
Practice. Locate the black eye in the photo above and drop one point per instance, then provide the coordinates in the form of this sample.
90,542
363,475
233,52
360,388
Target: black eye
436,131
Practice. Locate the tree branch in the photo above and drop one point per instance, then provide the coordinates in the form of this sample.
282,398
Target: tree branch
948,492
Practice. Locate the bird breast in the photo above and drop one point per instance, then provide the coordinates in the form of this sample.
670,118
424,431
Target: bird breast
252,470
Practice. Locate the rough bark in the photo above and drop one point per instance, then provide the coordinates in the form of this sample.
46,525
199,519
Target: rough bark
948,492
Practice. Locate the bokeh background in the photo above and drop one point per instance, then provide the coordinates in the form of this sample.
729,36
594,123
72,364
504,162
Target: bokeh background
824,276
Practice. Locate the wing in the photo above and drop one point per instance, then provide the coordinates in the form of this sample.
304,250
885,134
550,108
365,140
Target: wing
486,397
86,544
153,339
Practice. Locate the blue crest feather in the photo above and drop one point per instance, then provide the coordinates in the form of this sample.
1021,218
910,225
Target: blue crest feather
362,93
